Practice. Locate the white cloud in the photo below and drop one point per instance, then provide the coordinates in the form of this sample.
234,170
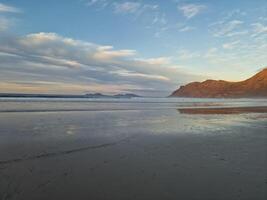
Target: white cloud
107,54
159,18
6,21
235,56
236,13
49,57
186,28
99,3
140,75
156,61
92,2
230,45
211,53
259,28
191,10
237,33
7,8
126,7
186,55
52,45
222,28
138,9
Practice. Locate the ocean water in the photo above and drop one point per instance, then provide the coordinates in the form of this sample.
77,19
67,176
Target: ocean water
140,148
105,104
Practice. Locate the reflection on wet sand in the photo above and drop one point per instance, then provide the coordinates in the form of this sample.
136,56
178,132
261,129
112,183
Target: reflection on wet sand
228,110
132,151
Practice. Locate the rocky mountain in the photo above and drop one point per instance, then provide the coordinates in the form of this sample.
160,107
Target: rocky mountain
255,86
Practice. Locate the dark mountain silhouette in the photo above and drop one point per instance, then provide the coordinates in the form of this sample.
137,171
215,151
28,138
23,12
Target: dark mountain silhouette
255,86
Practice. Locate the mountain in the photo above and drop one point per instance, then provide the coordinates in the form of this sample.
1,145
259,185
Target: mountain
99,95
93,95
255,86
127,95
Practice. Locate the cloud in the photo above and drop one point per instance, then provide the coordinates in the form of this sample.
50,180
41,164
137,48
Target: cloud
126,7
186,29
8,9
191,10
159,18
92,2
108,54
156,61
60,87
98,3
237,33
70,64
259,28
140,75
186,55
230,45
138,9
4,23
222,28
235,56
148,15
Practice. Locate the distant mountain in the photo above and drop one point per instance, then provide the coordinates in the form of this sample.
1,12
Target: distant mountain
255,86
99,95
93,95
127,95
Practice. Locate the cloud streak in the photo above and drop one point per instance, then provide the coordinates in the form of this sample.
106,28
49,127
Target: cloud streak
8,9
191,10
126,7
227,28
42,58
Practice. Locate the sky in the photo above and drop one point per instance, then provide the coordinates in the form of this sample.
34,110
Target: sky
147,47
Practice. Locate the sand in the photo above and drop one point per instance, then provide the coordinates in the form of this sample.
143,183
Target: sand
133,154
227,110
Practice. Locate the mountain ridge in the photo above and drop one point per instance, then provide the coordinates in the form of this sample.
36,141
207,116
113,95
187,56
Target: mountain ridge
255,86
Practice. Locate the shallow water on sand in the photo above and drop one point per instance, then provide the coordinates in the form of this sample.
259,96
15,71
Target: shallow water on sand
139,148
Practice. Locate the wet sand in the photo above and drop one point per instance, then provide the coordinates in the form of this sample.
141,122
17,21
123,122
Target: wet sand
227,110
133,154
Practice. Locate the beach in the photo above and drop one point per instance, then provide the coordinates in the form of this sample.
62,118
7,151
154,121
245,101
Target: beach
162,148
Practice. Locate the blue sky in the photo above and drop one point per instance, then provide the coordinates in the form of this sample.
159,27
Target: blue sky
149,47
